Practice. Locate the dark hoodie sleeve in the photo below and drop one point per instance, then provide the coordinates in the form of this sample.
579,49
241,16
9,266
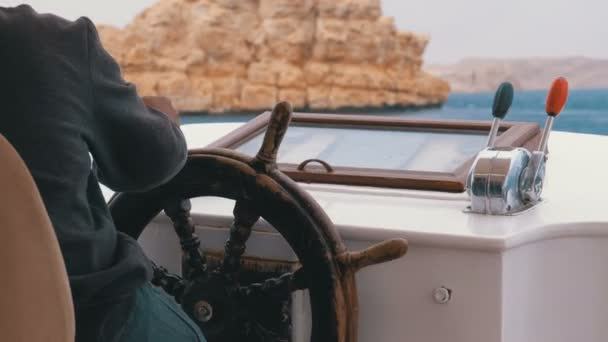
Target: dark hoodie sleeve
134,147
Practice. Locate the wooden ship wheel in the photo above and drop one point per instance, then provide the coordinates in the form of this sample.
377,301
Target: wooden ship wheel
215,298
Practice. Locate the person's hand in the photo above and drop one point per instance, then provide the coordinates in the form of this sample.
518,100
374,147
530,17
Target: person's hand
162,104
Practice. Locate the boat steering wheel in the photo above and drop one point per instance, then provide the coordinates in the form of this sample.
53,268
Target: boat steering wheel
214,298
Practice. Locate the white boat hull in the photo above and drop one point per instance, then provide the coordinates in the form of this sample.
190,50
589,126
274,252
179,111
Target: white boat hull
536,292
536,277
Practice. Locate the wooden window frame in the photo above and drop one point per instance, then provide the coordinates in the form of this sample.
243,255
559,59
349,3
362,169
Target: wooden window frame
513,134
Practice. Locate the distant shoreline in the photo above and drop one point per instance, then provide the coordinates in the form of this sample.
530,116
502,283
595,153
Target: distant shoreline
342,110
539,90
537,94
474,75
586,111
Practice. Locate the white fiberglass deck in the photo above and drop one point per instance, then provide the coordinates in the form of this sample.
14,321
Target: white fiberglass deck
536,277
574,202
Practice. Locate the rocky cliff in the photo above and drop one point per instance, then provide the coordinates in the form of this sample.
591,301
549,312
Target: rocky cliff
484,74
234,55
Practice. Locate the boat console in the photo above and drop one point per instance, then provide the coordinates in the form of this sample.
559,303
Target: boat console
531,273
509,180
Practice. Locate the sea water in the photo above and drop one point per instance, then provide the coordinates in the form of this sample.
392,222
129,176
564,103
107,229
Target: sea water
586,110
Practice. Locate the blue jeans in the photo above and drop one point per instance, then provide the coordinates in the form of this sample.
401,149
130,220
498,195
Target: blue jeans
156,317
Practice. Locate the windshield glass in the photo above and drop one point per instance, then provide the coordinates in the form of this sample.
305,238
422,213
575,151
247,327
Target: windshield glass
375,148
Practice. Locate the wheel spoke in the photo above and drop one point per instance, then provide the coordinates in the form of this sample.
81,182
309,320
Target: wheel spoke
274,287
171,283
194,263
245,216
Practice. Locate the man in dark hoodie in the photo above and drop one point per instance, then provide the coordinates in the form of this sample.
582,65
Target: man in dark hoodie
62,98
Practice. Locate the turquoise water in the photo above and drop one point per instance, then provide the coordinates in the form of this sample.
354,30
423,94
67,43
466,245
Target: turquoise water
585,112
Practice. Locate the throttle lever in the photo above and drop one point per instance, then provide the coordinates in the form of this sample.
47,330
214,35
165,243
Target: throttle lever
556,100
533,176
502,102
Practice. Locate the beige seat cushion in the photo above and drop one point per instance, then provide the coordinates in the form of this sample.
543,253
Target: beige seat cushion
35,298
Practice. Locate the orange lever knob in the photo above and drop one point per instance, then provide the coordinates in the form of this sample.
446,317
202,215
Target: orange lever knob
556,100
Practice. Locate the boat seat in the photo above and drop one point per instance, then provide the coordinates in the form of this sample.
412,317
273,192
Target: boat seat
35,298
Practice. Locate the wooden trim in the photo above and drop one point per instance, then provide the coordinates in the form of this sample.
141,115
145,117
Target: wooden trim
242,133
512,134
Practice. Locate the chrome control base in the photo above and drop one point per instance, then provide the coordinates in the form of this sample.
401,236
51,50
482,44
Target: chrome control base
505,181
523,210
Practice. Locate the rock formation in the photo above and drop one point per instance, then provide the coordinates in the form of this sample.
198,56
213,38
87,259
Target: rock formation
237,55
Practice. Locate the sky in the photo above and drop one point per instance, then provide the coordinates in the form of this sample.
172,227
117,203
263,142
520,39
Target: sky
458,28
